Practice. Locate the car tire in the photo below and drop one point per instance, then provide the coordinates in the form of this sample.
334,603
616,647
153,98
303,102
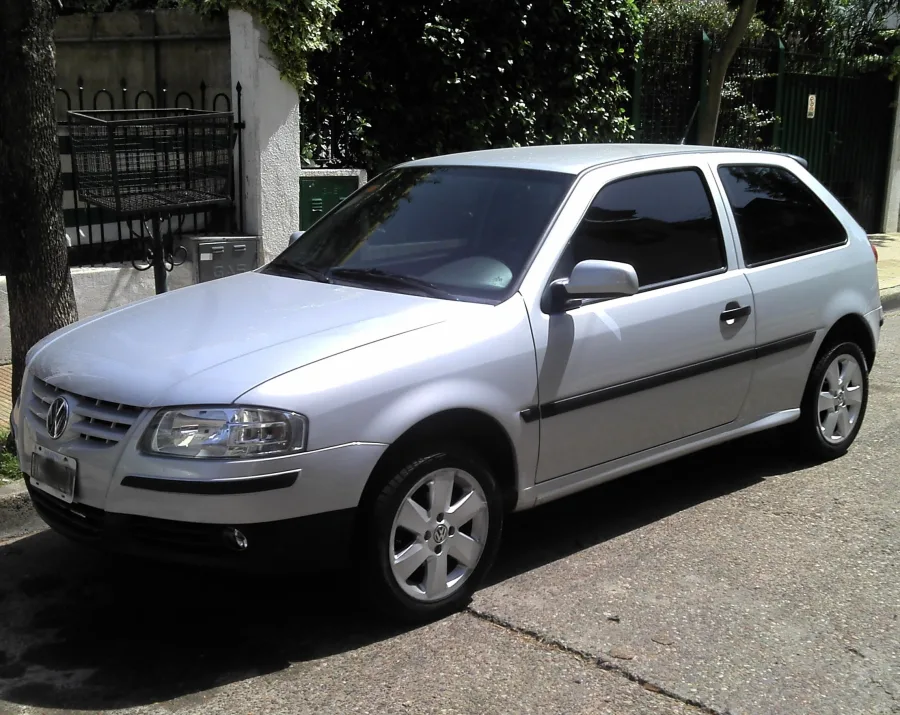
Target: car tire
430,533
834,403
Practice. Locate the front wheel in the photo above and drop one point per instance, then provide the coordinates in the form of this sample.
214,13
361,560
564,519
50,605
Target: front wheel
435,527
834,403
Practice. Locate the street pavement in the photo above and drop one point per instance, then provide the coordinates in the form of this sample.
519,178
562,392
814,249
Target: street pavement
737,580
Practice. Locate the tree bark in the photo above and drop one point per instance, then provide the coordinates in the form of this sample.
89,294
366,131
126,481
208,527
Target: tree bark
718,67
32,233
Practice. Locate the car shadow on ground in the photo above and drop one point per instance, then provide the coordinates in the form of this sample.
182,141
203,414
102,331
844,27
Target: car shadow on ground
81,631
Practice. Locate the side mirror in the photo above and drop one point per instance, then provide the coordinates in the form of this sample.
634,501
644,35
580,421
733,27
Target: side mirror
594,279
294,236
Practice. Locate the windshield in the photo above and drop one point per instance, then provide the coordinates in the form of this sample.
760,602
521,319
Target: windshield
458,232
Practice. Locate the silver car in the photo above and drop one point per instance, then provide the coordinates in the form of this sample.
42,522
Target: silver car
463,337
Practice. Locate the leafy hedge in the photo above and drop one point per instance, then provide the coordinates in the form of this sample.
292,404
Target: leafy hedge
685,18
409,80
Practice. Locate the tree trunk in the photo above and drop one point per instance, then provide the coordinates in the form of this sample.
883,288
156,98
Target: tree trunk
718,67
32,234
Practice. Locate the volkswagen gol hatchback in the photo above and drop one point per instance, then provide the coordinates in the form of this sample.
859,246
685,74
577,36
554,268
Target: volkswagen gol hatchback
463,337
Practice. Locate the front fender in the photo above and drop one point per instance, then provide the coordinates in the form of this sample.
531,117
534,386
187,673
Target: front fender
483,361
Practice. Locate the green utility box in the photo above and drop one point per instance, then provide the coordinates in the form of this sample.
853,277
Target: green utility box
323,189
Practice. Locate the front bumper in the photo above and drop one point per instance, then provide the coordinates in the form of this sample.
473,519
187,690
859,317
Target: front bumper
285,508
117,478
279,546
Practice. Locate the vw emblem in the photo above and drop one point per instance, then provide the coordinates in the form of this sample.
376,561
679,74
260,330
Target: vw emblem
57,417
440,533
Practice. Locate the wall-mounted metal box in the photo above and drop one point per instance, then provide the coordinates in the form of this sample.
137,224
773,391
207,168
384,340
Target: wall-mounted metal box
323,189
211,257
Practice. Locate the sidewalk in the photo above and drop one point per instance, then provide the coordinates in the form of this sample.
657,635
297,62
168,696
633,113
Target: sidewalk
888,246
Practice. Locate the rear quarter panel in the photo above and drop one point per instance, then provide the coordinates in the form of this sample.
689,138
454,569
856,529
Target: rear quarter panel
801,295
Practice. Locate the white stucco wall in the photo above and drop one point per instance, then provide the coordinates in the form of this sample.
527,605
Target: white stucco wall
271,139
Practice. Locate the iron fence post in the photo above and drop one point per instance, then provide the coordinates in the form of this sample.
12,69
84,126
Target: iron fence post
702,81
160,281
779,97
636,89
240,139
833,132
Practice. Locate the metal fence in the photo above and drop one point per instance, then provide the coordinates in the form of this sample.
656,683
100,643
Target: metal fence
667,88
96,236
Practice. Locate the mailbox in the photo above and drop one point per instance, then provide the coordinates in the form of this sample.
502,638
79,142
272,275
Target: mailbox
323,189
211,257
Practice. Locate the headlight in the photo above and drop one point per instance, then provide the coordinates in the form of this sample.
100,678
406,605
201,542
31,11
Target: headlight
225,433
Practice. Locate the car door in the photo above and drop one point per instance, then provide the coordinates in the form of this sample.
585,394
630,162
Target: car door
619,376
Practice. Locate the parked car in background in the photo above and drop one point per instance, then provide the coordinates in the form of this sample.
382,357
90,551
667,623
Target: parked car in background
463,337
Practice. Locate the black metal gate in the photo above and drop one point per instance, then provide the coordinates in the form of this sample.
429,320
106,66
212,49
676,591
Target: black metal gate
842,124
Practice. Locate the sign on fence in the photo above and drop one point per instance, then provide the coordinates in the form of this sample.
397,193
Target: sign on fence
811,107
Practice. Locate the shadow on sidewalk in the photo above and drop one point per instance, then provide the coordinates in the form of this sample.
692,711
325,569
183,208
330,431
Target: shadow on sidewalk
80,631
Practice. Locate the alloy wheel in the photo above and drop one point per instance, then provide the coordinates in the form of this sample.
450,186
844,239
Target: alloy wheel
841,396
438,534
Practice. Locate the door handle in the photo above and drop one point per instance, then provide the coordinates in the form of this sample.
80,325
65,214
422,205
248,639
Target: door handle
733,311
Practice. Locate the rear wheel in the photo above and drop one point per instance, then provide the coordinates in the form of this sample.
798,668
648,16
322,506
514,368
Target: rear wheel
834,403
435,527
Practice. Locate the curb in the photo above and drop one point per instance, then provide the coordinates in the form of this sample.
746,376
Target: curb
890,298
17,516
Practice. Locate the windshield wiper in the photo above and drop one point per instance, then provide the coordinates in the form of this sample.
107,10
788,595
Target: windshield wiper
292,268
379,275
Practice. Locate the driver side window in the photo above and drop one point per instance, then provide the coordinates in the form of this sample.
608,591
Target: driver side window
661,223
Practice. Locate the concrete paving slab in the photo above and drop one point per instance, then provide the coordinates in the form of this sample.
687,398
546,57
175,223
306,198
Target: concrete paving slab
888,247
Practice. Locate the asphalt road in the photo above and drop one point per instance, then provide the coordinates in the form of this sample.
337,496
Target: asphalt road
734,581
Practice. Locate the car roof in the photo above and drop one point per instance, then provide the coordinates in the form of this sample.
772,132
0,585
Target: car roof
565,158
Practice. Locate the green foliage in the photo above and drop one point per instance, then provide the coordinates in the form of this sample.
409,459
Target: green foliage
416,79
849,30
686,18
296,28
70,7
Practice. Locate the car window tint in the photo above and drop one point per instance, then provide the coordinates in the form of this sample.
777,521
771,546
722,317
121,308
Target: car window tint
663,224
777,215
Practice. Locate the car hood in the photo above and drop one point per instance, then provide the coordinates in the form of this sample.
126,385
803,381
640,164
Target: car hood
212,342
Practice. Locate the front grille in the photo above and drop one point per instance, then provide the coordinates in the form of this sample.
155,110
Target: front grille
89,523
79,519
91,419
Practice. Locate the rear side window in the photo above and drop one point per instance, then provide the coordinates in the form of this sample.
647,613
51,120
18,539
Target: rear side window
663,224
777,215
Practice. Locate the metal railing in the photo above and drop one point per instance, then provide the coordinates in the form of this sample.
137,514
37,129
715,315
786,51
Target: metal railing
100,236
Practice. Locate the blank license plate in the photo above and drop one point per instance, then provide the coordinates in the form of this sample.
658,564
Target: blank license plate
54,473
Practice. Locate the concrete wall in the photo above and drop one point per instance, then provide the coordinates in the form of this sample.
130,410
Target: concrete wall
171,50
271,170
